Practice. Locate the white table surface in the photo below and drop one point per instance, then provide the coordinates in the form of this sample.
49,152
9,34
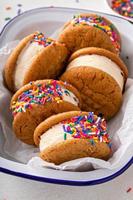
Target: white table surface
14,188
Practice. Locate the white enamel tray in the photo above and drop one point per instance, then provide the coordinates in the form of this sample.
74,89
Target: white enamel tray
47,20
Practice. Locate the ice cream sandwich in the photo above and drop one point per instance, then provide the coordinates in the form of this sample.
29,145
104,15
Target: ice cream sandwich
90,30
100,77
38,100
72,135
36,57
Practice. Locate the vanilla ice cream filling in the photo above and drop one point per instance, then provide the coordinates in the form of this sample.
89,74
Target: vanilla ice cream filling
29,52
99,62
53,136
68,96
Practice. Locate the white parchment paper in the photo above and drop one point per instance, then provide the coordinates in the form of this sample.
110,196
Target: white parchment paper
120,130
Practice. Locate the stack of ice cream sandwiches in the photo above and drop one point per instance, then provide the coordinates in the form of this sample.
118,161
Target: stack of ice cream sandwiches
66,89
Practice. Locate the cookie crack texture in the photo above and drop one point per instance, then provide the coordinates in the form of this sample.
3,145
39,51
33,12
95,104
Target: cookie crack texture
99,91
98,104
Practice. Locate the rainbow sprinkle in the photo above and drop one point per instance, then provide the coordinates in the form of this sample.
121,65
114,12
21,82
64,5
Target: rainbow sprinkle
100,23
89,126
38,94
123,7
42,40
8,7
129,190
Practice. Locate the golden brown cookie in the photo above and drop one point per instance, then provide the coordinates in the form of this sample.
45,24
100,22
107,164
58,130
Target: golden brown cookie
100,76
38,100
90,30
35,57
72,135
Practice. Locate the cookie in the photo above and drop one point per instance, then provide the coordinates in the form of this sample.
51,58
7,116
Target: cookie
72,135
100,76
35,58
90,30
38,100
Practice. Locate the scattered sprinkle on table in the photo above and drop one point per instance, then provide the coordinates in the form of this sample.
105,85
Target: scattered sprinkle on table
19,5
7,18
123,7
129,189
19,11
8,7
